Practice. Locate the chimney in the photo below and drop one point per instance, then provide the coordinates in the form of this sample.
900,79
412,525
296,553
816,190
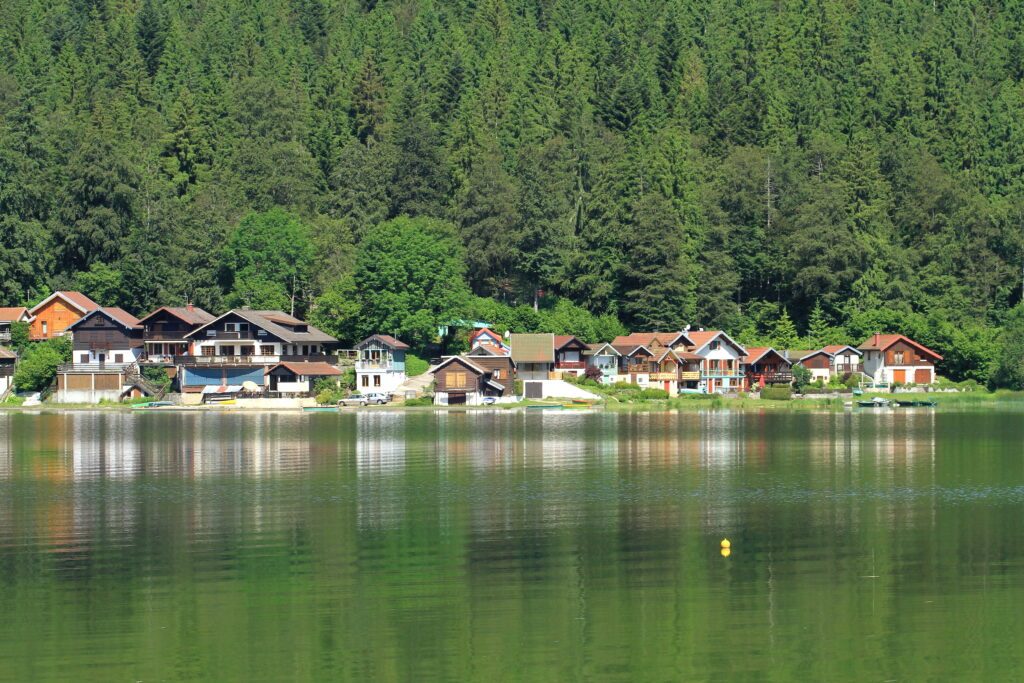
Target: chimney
875,340
189,307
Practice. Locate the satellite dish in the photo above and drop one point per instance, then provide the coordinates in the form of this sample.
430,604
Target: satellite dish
507,334
687,328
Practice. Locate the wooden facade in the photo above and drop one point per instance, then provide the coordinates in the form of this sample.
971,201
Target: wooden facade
55,314
467,380
107,336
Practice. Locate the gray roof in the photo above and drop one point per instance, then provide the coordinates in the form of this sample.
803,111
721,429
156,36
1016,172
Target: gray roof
276,323
533,348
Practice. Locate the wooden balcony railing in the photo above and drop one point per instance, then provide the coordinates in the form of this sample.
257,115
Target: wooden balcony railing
570,365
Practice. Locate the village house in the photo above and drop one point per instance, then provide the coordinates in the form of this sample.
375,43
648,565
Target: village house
660,360
721,360
233,352
52,316
489,339
166,329
547,356
8,359
9,316
896,359
604,359
380,364
297,378
106,336
764,366
835,360
106,347
469,379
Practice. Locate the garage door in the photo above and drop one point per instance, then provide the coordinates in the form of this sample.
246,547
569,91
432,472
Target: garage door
534,389
899,376
456,399
923,376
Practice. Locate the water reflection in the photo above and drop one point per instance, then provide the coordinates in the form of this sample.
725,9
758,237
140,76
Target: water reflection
447,545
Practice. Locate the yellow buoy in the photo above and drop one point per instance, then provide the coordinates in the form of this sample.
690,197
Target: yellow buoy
726,552
726,543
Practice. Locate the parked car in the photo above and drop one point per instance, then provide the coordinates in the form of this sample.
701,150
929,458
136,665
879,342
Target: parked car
358,399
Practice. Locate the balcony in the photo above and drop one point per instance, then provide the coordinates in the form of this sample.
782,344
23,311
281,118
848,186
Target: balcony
570,365
689,376
847,368
249,360
5,335
86,368
663,376
780,377
381,365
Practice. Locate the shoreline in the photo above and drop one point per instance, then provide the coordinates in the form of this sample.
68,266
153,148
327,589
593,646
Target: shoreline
681,404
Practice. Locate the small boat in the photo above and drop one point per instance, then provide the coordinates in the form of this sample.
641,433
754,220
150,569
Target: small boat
152,404
916,404
319,409
875,403
553,406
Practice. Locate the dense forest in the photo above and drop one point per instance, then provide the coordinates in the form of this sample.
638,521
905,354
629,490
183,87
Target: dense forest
813,167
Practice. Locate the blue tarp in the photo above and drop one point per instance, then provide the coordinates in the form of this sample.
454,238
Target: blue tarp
201,377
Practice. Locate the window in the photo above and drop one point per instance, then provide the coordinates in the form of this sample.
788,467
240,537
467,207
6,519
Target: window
261,333
211,333
366,381
44,328
897,358
266,350
118,357
458,380
496,374
376,380
715,345
84,358
236,327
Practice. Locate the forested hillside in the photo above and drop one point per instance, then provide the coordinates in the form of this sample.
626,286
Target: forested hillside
712,162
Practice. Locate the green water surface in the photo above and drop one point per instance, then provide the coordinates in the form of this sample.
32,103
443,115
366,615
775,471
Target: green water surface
528,546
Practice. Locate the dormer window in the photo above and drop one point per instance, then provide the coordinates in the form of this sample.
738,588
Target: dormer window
715,345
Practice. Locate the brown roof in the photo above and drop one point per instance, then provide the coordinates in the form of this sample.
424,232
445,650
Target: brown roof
562,340
12,313
122,316
7,354
880,342
756,353
635,339
630,349
464,361
118,315
193,315
387,339
309,368
76,299
702,337
533,348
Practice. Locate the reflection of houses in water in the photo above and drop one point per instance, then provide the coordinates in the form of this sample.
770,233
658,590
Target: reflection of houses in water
104,446
380,462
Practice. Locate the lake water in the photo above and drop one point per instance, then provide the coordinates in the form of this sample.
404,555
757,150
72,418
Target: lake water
531,546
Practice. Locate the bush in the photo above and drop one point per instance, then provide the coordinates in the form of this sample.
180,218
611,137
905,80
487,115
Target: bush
517,387
420,401
801,378
415,366
327,391
157,377
20,336
657,394
38,366
776,393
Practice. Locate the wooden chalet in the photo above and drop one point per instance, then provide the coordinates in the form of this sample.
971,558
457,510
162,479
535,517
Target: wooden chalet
659,360
52,316
765,366
467,380
166,330
569,354
106,336
829,361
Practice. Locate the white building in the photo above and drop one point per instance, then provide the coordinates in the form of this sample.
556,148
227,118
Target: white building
896,359
380,364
